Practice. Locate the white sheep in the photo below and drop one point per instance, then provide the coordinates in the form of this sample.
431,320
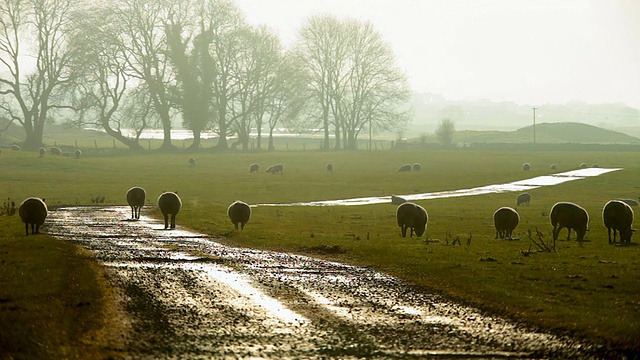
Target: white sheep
526,166
135,198
239,212
524,198
78,153
404,168
33,211
275,169
169,204
254,168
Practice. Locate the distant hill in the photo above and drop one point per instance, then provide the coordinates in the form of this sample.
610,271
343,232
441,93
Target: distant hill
546,133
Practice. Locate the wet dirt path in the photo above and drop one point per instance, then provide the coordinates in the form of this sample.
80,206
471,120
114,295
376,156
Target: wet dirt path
189,296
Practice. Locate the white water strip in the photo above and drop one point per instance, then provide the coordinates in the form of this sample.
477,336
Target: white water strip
520,185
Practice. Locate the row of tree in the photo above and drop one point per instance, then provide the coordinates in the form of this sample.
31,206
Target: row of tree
139,64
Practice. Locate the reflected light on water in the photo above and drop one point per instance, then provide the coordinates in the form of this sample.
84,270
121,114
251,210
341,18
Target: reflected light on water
520,185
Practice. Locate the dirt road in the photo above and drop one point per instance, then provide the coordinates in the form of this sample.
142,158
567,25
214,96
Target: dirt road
189,296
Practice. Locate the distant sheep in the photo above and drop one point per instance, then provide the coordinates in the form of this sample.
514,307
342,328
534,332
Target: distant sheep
553,166
135,198
239,212
583,166
275,169
404,168
630,202
417,167
397,200
524,198
505,219
66,154
618,216
33,211
571,216
526,166
254,168
330,168
412,216
56,151
78,153
169,204
15,147
42,151
595,166
192,162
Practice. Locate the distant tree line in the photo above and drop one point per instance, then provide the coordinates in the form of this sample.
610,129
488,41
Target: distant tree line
140,64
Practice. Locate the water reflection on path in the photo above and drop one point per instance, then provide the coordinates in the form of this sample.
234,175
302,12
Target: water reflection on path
520,185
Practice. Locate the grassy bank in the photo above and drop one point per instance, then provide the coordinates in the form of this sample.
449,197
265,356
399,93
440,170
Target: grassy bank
588,289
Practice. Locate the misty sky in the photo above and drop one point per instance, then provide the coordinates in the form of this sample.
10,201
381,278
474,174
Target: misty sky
531,52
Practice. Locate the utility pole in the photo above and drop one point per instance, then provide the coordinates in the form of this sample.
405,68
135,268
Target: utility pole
534,124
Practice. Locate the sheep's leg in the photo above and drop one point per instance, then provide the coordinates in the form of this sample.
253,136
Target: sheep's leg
609,233
173,221
26,228
404,231
37,226
614,235
241,226
556,232
568,233
166,221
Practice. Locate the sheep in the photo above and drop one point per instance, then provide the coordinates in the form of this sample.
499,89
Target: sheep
78,153
192,162
617,215
404,168
330,168
524,198
412,216
526,166
583,165
417,167
275,169
169,204
571,216
15,147
135,198
56,151
254,168
553,166
239,212
595,166
397,200
505,219
66,154
42,151
33,211
630,202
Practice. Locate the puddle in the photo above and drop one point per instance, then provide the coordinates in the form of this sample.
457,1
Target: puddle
520,185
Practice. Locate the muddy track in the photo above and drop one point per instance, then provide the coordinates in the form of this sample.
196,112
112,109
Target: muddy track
189,296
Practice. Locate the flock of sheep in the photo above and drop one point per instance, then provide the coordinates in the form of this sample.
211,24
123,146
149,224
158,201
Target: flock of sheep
617,214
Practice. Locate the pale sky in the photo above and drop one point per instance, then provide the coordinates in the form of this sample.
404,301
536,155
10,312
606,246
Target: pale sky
532,52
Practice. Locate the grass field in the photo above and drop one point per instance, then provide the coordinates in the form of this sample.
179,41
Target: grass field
590,289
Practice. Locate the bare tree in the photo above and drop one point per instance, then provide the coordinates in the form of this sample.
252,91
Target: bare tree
32,83
142,29
445,131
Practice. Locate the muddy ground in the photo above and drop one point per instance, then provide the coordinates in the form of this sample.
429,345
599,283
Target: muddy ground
187,296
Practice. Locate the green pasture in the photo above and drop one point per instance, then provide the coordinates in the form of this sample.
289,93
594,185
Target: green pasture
590,289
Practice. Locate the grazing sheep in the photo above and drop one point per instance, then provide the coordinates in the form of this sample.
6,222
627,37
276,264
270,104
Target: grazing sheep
78,153
135,198
505,220
239,212
397,200
526,166
571,216
66,154
169,204
412,216
42,151
192,162
618,216
595,166
417,167
330,168
275,169
630,202
56,151
404,168
553,166
254,168
583,166
524,198
15,147
33,211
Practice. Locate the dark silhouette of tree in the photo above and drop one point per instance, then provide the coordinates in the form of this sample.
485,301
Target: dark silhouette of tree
32,90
